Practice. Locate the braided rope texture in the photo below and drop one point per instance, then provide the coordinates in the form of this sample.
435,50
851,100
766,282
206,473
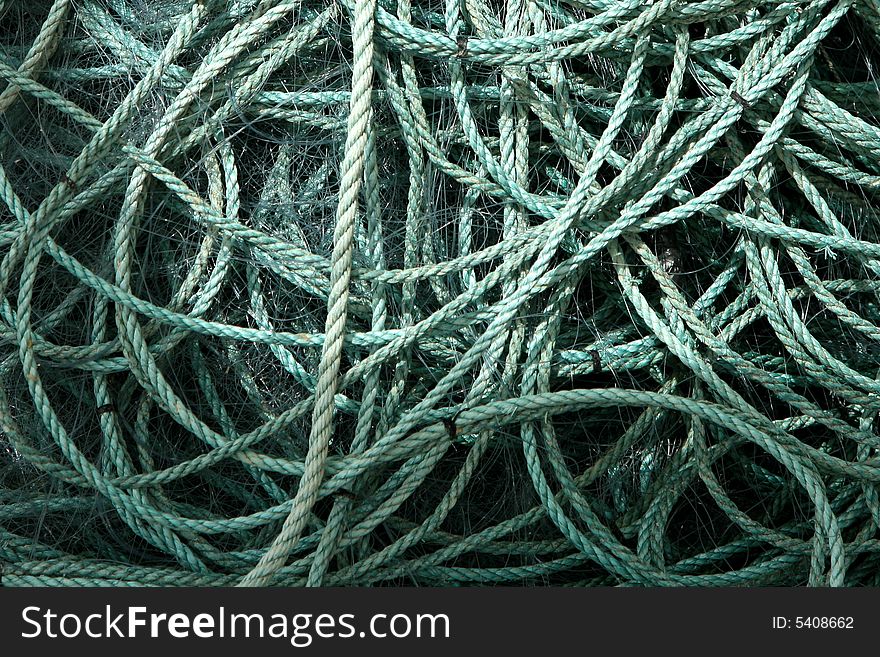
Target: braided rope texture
466,292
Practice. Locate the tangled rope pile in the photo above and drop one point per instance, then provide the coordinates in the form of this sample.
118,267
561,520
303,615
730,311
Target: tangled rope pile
572,292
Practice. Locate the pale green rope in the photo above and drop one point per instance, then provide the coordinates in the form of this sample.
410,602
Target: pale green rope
350,293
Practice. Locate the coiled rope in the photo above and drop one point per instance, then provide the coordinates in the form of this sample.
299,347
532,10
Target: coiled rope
571,292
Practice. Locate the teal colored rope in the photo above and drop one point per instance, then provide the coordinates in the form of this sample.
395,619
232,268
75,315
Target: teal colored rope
317,293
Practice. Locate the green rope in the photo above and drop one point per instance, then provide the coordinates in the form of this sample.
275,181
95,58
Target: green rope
356,293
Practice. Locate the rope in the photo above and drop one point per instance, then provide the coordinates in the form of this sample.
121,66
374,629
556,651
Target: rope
355,293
